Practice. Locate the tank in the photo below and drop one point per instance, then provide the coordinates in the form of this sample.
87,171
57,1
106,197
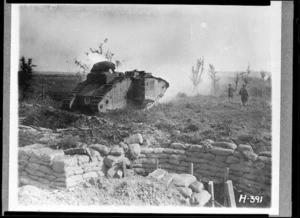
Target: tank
104,90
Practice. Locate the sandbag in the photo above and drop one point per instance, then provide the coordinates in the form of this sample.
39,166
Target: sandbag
147,150
79,151
264,159
220,159
196,148
158,174
45,169
102,149
110,160
207,156
168,178
124,146
196,186
134,139
75,178
177,157
201,198
89,175
265,153
216,164
216,169
185,192
134,150
196,160
60,163
33,166
232,159
201,166
158,150
178,146
113,170
221,151
161,156
174,151
224,145
183,180
116,151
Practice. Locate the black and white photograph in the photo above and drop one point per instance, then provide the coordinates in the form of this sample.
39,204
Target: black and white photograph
145,108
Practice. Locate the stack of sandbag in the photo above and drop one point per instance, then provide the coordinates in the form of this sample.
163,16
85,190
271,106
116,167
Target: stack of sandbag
254,176
35,162
248,171
54,167
114,161
187,185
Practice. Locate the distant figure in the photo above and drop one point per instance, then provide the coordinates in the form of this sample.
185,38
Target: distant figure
230,92
244,94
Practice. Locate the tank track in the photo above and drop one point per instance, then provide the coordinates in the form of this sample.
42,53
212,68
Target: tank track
98,98
71,95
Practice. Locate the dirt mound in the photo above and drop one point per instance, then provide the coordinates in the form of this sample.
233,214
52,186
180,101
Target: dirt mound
49,117
133,190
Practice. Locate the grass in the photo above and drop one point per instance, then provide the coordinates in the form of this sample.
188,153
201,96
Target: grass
187,119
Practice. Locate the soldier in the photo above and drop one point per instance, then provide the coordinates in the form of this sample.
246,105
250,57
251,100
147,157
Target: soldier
244,94
230,92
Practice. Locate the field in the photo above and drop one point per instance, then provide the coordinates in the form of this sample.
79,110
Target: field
188,119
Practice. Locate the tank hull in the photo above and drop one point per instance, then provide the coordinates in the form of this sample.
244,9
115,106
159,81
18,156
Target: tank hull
137,90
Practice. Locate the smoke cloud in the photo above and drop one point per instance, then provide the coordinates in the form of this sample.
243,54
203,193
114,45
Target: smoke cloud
164,40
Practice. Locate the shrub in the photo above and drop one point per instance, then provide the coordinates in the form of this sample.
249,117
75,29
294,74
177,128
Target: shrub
68,141
192,138
25,76
224,127
246,138
256,92
181,95
192,127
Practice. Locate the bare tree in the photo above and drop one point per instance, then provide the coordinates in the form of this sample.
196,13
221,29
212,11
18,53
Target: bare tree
263,74
214,79
197,73
237,78
82,66
245,75
101,51
107,54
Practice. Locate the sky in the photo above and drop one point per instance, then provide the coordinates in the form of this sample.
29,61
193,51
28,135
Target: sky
165,40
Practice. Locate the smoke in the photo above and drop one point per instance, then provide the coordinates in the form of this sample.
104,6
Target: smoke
91,58
165,41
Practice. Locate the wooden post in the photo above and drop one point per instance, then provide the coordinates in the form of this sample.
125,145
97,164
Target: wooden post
226,176
124,169
230,194
192,169
157,162
211,191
